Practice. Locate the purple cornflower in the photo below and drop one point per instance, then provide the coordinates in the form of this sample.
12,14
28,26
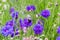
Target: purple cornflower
21,23
15,33
30,8
58,30
15,15
45,13
11,22
38,29
12,10
6,30
9,29
58,38
25,23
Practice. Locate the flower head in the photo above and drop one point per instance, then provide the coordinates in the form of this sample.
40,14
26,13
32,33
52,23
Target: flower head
12,10
21,23
25,23
30,8
38,29
58,38
58,30
45,13
15,15
11,22
6,30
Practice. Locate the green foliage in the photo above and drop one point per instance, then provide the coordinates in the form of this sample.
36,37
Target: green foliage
20,5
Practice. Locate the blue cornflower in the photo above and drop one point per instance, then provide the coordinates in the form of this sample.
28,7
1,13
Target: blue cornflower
21,23
58,30
9,29
58,38
30,8
15,15
12,10
38,29
10,22
45,13
14,33
25,23
6,30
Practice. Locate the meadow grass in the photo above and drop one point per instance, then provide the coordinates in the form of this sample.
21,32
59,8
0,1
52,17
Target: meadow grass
20,5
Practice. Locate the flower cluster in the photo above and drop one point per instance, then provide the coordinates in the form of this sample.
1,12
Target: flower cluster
38,28
7,29
12,10
15,33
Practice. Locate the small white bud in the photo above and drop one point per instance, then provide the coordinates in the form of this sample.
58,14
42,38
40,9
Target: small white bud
46,38
5,7
36,15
